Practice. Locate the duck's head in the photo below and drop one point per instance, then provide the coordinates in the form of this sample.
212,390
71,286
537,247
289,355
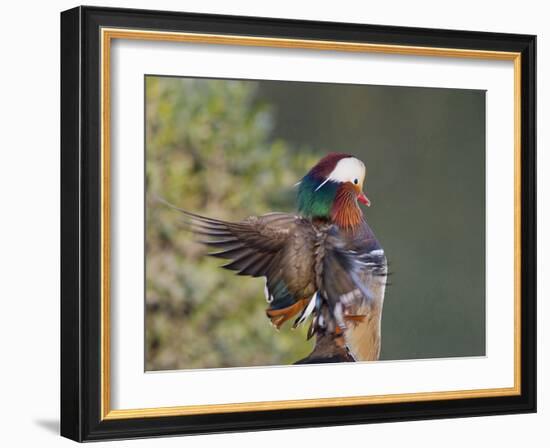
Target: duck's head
332,189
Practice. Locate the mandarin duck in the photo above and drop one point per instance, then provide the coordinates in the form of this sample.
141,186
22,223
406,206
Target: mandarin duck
322,264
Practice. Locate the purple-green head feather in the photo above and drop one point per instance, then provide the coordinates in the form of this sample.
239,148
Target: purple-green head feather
316,194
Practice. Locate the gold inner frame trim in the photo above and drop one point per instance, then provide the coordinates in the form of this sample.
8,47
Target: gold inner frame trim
107,35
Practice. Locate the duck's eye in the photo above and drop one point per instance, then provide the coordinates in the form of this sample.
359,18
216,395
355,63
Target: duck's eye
355,181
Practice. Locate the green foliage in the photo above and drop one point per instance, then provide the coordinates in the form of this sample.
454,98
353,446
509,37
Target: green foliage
208,150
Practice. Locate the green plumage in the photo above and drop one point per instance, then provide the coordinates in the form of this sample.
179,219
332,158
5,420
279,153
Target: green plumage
312,203
282,298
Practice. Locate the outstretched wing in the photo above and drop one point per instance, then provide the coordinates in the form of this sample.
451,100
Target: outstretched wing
276,246
250,244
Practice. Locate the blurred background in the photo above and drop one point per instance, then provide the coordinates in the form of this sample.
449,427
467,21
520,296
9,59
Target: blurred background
230,149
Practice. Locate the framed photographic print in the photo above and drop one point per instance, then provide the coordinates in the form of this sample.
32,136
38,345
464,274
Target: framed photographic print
275,224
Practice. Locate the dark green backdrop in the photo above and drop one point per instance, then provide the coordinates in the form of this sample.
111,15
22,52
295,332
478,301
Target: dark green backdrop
425,155
424,149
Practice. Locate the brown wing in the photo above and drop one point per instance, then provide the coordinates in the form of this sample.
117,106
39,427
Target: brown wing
277,246
349,277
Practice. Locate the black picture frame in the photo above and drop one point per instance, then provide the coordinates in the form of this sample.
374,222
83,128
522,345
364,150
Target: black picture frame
81,224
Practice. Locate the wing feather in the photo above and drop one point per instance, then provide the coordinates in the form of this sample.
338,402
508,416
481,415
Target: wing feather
348,270
298,260
261,246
